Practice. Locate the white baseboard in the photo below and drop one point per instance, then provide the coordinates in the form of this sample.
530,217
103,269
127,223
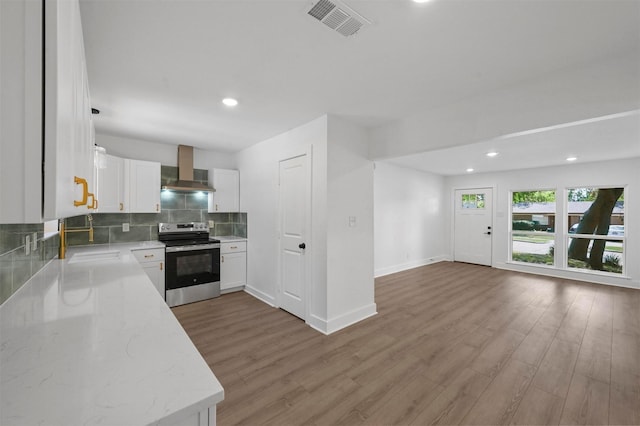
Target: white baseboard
342,321
232,290
318,324
409,265
263,297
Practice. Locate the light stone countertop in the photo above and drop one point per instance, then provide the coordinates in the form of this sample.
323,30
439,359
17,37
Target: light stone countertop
229,238
94,343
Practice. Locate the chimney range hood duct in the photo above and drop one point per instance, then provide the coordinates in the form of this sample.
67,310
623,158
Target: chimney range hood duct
185,180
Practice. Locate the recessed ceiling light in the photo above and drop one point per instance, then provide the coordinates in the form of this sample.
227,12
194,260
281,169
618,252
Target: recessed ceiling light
230,102
469,170
572,158
420,1
492,154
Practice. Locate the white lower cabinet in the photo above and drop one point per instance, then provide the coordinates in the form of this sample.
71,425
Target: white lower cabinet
233,265
203,418
152,260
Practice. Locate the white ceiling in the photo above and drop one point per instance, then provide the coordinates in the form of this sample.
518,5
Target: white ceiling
606,138
158,69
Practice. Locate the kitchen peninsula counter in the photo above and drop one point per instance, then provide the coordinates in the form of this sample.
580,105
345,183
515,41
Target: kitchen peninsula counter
92,342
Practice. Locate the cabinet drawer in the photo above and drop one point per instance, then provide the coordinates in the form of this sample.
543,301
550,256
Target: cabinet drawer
233,247
149,255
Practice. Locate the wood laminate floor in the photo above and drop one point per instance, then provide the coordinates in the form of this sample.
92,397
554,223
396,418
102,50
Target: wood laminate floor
452,343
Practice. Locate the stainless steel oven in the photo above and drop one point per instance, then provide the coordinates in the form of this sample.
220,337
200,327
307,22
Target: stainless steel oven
192,262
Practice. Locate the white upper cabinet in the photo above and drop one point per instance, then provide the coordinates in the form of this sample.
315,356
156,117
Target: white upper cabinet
66,123
21,111
68,161
127,186
111,184
227,186
143,186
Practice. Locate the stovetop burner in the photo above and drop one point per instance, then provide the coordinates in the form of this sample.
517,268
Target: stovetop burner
187,242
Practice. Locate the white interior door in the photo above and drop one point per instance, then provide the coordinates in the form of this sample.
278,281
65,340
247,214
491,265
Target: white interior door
294,189
473,227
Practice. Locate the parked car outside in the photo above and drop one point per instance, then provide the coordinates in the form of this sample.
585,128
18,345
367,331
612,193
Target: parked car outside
614,230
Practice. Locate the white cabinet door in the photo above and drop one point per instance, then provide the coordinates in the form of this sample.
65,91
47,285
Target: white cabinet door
63,89
143,179
155,272
68,156
233,270
21,105
110,182
227,186
152,260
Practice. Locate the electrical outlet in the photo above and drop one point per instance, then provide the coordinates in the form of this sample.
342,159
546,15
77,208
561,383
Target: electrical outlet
27,245
125,227
211,224
34,241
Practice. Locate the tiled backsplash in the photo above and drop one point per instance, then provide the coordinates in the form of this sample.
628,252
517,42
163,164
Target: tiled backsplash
107,227
16,267
175,207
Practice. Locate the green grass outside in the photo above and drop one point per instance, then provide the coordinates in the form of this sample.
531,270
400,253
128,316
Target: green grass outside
613,249
545,259
542,239
573,263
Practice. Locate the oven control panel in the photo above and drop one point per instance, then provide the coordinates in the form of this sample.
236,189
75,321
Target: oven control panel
164,228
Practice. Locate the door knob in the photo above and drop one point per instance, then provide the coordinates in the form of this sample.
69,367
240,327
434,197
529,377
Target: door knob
302,246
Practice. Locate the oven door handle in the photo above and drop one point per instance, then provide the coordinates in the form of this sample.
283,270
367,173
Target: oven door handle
178,249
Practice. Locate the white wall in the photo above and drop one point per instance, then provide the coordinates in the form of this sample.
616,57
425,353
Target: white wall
259,168
340,282
165,154
610,173
350,284
410,223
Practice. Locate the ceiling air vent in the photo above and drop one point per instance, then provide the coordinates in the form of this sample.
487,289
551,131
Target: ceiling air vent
338,16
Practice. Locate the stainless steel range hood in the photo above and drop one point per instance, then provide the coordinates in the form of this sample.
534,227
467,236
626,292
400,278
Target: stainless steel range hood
185,180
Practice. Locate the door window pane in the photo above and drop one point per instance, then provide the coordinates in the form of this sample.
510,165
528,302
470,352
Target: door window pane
473,201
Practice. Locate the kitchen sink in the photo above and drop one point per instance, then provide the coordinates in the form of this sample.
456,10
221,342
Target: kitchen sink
95,256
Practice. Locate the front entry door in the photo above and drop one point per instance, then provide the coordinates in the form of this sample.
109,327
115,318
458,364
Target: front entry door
294,190
473,227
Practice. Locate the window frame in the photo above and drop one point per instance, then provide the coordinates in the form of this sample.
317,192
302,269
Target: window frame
568,236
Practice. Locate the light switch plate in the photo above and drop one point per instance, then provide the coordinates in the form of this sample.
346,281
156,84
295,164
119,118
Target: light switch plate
27,244
34,241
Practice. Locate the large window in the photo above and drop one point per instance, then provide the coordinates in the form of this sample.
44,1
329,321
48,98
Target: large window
533,223
595,224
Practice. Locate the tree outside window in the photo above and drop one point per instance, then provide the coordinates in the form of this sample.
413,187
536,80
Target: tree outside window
595,223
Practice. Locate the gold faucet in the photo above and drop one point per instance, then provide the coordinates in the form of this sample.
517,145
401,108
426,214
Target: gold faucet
63,238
